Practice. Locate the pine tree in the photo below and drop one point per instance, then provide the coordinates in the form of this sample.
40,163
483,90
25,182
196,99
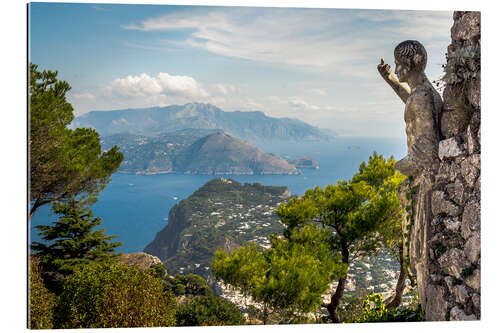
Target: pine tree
72,240
63,162
362,215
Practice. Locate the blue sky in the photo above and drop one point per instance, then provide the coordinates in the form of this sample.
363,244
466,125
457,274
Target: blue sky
317,65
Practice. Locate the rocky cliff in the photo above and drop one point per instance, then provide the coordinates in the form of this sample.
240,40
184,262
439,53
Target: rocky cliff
444,244
222,214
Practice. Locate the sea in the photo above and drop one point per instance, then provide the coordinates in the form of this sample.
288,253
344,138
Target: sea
136,207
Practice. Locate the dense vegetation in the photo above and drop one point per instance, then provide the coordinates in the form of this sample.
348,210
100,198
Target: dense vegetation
64,163
71,241
41,301
289,278
114,295
74,278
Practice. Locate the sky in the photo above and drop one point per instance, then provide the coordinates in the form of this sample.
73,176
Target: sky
316,65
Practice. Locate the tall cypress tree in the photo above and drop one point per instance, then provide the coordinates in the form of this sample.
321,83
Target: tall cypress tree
72,240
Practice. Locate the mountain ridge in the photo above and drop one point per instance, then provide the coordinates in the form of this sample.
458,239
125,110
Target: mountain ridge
195,151
252,126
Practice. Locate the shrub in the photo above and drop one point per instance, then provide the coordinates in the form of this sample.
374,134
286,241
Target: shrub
114,295
374,310
209,311
41,301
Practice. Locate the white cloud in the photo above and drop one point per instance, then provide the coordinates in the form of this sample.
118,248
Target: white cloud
334,40
224,89
298,103
164,84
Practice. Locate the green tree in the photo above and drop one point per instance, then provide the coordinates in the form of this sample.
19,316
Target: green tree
72,240
382,174
100,295
362,215
63,163
41,301
287,279
208,311
189,284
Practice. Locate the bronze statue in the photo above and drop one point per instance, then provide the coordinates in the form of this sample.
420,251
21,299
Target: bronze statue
423,105
422,110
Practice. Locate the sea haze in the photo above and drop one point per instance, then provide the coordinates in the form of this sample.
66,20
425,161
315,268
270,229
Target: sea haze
136,207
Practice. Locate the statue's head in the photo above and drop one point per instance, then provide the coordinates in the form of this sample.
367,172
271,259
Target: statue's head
411,58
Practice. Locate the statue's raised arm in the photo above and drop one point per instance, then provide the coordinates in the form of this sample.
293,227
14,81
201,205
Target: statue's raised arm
385,71
422,106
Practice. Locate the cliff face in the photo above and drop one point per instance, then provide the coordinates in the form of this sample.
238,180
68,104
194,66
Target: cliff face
445,251
222,214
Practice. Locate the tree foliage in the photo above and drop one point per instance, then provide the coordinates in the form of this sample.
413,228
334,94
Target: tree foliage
209,311
189,284
63,163
41,301
362,214
289,278
100,295
72,240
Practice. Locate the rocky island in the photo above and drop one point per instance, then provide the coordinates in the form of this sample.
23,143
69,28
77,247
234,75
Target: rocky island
195,151
305,163
222,214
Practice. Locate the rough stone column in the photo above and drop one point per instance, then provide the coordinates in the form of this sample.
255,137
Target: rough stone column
444,239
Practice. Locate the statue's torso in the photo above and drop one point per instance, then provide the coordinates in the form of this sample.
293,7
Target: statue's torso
421,113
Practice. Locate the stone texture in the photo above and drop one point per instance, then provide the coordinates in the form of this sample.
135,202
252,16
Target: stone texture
456,192
474,280
453,261
453,121
440,205
474,93
140,259
436,305
472,144
470,169
449,148
449,283
452,224
472,247
461,294
477,187
471,219
448,172
476,301
457,314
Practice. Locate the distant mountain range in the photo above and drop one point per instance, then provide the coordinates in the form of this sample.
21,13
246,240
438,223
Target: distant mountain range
252,126
195,151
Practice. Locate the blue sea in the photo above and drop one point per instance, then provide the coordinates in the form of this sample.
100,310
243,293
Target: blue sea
135,207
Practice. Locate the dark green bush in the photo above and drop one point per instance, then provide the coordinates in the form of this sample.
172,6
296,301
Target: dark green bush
41,301
114,295
209,311
190,284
